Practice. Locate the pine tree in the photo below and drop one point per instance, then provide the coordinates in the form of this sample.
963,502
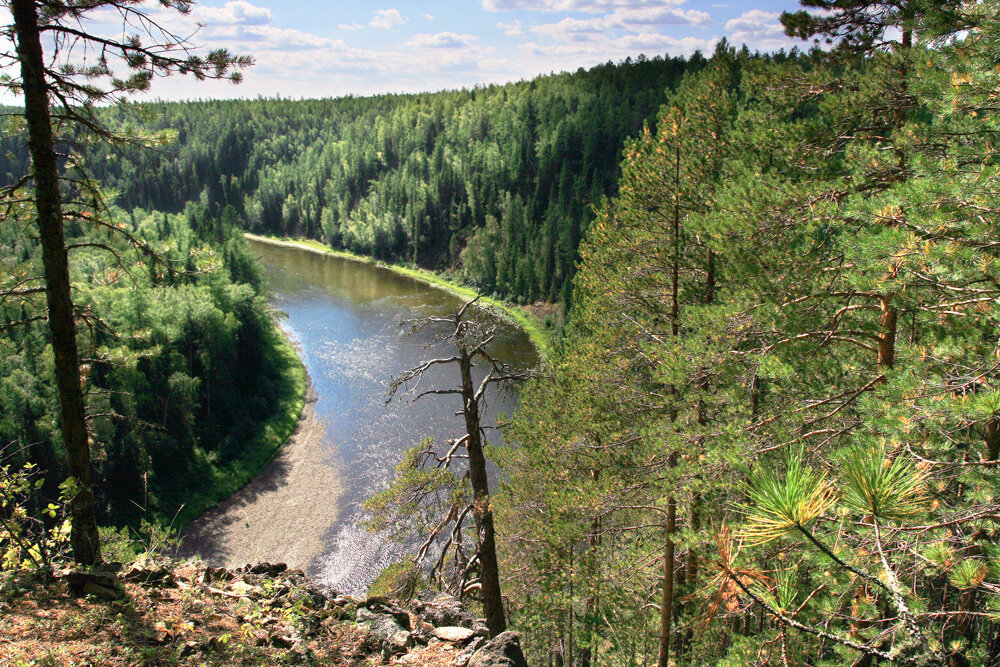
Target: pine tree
75,90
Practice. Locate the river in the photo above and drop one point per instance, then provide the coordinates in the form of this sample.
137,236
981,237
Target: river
345,317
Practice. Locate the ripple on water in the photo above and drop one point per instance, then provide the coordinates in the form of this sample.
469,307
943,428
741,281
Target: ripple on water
355,558
346,317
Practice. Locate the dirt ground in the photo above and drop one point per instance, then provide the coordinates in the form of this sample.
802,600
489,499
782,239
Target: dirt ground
281,514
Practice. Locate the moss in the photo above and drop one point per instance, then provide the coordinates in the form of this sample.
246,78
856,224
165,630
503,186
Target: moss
534,327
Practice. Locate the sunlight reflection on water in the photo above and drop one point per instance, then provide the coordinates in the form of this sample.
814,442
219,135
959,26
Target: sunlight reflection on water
346,317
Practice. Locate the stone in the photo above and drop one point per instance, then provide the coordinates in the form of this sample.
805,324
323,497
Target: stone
101,584
381,605
187,572
504,650
462,659
155,575
269,569
453,633
444,610
392,636
214,574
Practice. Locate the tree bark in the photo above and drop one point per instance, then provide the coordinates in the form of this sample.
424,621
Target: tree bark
489,573
887,335
83,536
667,603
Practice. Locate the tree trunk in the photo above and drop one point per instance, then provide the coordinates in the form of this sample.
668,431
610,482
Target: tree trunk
667,603
588,654
489,574
887,335
993,439
83,536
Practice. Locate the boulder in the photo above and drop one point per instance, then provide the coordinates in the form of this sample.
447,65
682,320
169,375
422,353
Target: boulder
504,650
462,659
268,569
381,605
443,610
217,574
101,584
453,633
392,636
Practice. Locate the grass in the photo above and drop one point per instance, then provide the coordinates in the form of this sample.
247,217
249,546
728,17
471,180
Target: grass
220,481
537,332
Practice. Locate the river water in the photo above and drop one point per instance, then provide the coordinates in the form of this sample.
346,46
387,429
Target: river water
346,317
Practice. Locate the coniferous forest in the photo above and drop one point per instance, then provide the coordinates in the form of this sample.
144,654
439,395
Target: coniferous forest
770,431
499,180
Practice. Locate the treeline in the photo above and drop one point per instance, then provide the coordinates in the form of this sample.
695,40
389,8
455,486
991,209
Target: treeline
183,365
772,436
497,181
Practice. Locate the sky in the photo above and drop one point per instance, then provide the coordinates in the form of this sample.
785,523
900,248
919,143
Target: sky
316,48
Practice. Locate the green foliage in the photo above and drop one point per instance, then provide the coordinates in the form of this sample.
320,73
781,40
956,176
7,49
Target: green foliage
33,531
126,545
412,178
784,329
874,484
191,386
400,581
780,502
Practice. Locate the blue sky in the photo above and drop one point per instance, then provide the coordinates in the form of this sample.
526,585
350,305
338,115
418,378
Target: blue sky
310,48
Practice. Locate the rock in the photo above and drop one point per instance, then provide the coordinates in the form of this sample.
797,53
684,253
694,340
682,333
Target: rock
339,613
393,637
187,572
462,659
101,584
155,575
381,605
443,610
346,601
453,633
309,597
504,650
214,574
269,569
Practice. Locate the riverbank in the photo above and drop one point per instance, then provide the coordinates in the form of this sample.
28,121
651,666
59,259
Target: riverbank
282,514
221,481
538,333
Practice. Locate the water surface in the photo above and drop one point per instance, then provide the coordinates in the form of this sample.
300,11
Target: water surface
346,317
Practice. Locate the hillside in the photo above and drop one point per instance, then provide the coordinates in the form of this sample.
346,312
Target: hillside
164,612
510,172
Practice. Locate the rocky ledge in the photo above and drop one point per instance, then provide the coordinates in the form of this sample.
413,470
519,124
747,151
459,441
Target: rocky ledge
164,612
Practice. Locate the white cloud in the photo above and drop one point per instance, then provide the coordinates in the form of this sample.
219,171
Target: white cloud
429,17
590,6
239,12
759,30
442,40
350,26
512,29
755,19
623,20
386,19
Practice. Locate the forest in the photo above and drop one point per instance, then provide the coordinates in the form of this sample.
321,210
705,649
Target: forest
770,433
495,184
184,366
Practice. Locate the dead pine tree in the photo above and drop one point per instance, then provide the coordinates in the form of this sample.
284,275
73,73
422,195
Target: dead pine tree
471,339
